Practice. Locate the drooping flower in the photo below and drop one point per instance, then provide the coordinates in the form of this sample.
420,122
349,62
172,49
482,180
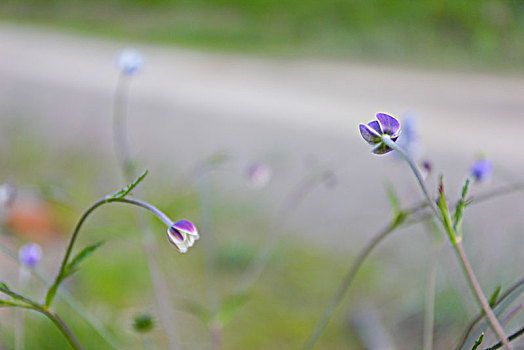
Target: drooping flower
182,234
129,61
384,125
259,174
481,170
30,254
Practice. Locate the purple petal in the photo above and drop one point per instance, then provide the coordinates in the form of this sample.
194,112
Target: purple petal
185,226
30,254
390,125
175,235
481,170
369,133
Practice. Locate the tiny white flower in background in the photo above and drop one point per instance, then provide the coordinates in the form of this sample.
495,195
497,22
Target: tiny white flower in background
7,197
129,61
182,235
259,175
30,254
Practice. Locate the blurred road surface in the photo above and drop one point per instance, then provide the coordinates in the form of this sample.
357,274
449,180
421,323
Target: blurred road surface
187,104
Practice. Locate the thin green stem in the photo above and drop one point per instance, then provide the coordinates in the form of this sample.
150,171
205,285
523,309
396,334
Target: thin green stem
128,167
457,244
387,140
53,316
83,218
67,298
379,237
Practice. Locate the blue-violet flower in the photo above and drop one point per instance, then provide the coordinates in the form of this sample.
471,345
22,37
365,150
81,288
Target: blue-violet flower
481,170
129,62
182,234
30,254
373,131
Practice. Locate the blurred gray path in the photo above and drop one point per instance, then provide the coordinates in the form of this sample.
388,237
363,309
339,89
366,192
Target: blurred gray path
187,104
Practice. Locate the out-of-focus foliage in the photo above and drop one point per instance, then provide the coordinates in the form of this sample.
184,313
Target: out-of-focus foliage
480,32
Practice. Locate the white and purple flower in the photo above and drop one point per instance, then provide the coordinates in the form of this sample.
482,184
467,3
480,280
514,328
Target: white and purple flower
30,254
129,62
372,132
481,170
182,234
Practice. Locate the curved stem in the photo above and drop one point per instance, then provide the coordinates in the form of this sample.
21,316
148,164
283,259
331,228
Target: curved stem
356,264
85,215
53,316
344,285
511,337
128,168
67,298
457,244
416,171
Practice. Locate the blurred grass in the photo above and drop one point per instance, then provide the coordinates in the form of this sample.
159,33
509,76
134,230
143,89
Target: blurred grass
479,33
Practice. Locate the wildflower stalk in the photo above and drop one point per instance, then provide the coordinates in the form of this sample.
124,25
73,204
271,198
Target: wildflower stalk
128,168
53,316
456,241
378,238
108,199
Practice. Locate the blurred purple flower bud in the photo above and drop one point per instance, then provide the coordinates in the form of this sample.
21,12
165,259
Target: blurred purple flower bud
182,234
7,194
409,140
129,62
259,174
481,170
373,131
30,254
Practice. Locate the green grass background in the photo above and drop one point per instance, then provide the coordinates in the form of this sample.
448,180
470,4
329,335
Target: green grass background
484,34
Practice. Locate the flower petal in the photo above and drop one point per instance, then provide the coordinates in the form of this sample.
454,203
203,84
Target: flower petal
389,125
369,133
186,226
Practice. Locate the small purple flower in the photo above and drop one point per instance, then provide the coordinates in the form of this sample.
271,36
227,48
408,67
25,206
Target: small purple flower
481,170
384,125
259,174
129,62
30,254
182,234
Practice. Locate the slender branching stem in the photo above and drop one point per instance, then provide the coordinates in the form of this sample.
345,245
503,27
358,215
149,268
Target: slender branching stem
88,212
53,316
457,244
379,237
431,283
511,337
67,298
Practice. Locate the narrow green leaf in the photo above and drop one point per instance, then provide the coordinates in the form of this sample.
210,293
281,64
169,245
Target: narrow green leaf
393,199
125,191
198,310
7,303
477,343
3,285
229,307
73,265
50,295
494,296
